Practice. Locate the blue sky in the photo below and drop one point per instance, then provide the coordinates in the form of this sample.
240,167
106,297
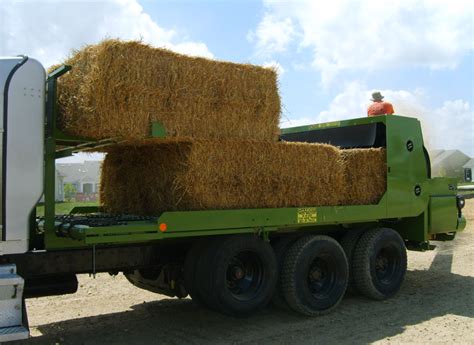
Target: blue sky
330,54
224,26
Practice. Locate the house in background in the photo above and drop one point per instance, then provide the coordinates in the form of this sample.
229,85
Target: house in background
83,176
468,168
448,163
59,190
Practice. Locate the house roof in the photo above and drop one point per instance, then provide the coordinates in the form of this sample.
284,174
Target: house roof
435,153
469,164
89,171
449,159
450,155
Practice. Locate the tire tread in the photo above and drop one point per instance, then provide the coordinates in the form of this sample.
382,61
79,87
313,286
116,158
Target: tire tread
361,264
280,249
348,243
288,284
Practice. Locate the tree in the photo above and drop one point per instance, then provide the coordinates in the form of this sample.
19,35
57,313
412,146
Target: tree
69,191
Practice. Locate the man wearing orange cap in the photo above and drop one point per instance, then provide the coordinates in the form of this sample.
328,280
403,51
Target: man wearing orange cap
379,107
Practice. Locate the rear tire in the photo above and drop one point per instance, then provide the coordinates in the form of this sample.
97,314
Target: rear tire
315,275
190,268
280,248
380,263
348,244
238,275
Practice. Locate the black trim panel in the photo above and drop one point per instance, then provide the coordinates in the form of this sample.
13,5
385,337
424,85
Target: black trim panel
428,161
359,136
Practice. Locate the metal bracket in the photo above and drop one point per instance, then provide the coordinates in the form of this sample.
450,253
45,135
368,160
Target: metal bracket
93,261
50,148
265,235
59,72
444,237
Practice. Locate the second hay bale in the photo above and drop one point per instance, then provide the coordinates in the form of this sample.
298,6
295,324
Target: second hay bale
148,179
365,175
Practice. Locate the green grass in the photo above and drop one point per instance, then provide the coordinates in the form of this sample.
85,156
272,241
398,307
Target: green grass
65,207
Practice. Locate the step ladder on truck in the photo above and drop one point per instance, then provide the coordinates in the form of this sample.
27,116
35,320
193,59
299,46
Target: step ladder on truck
176,253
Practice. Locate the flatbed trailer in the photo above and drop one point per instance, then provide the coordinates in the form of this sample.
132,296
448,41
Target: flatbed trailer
233,261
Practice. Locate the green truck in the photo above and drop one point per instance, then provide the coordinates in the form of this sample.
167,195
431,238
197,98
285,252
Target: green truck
232,261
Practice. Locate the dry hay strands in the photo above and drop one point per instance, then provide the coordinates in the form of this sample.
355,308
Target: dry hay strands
117,88
365,173
149,178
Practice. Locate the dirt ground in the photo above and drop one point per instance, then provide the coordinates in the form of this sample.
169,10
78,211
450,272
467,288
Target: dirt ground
435,304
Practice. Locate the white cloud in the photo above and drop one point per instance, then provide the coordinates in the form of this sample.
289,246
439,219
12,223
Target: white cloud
301,121
276,66
272,35
370,35
191,48
453,126
48,30
81,157
449,126
351,103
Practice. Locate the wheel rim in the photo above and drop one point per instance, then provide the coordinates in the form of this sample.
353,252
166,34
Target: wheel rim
387,264
321,277
244,275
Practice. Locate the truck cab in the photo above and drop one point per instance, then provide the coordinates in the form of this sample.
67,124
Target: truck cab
21,174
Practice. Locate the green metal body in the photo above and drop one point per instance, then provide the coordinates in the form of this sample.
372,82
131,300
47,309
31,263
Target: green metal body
417,206
443,217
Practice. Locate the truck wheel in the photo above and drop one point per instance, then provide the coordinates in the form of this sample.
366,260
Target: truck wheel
348,243
380,263
280,248
315,275
237,275
190,267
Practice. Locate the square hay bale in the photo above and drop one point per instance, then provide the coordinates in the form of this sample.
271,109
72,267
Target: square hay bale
149,178
365,173
117,88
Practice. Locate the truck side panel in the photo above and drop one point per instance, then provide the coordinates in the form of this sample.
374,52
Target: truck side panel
406,168
22,152
404,206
